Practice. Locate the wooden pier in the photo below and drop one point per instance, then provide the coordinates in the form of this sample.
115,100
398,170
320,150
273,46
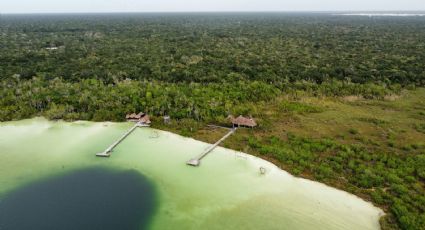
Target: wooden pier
197,161
107,152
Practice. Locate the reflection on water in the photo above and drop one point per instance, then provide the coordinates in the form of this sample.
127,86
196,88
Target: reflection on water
89,199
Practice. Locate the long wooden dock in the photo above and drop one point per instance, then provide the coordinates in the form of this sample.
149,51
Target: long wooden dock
107,152
197,161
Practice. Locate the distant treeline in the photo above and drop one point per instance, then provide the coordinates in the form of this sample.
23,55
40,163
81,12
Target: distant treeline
217,48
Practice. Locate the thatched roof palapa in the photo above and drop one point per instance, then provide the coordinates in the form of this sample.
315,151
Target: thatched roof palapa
145,119
135,116
243,121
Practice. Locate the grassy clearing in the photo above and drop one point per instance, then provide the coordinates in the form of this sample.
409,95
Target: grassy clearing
372,148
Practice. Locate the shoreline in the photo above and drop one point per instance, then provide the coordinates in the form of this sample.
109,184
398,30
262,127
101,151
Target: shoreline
257,160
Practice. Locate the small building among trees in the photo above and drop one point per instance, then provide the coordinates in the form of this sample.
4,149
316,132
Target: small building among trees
243,121
145,120
134,117
142,118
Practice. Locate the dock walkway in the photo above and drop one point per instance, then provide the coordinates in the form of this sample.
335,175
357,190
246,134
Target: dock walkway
197,161
107,152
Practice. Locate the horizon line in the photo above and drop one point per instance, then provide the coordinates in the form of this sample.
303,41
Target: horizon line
222,11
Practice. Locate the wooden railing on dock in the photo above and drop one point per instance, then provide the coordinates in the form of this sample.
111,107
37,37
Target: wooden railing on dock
197,161
107,152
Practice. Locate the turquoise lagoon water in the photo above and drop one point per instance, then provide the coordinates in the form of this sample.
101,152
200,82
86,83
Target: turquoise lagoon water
147,185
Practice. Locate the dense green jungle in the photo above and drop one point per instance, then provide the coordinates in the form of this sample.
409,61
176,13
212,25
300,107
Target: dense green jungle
338,99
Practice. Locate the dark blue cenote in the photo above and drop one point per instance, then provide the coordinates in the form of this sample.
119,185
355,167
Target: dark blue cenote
96,198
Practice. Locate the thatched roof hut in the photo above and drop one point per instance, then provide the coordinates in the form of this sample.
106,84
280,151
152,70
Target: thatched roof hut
134,117
243,121
145,119
128,116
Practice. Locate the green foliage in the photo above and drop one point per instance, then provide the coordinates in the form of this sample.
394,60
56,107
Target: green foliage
353,131
420,127
205,67
393,181
297,107
339,88
212,48
91,99
374,121
420,166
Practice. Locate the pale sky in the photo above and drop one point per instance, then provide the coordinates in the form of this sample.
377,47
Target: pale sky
69,6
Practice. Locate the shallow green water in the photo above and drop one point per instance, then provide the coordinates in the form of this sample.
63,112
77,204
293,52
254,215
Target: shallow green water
226,192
